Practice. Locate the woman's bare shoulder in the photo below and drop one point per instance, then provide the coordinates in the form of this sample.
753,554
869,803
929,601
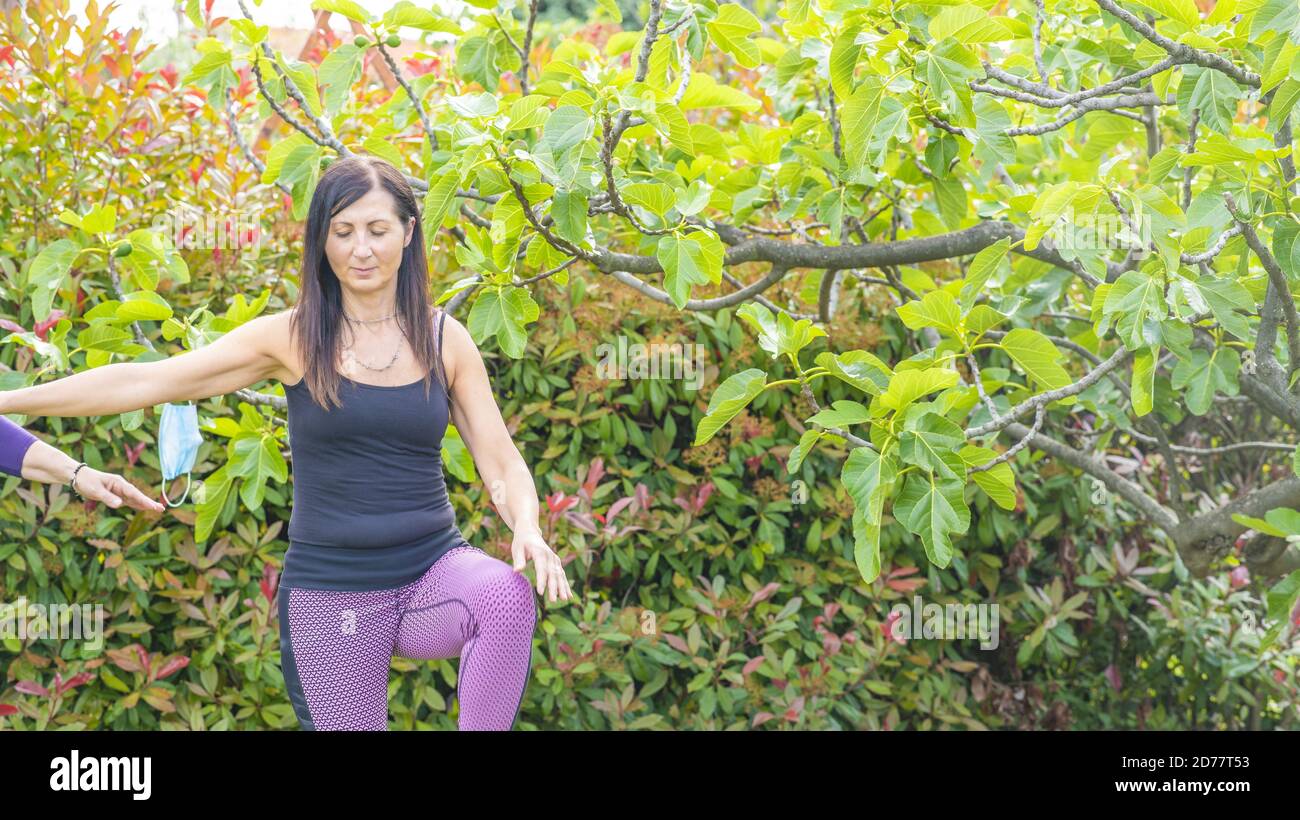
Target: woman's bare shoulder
457,344
277,336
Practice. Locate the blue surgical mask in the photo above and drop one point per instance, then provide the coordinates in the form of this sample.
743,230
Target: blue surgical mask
178,444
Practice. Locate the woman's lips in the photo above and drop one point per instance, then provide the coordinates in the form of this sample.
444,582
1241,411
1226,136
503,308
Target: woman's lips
364,271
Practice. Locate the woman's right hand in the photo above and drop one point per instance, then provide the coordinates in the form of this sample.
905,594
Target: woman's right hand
113,490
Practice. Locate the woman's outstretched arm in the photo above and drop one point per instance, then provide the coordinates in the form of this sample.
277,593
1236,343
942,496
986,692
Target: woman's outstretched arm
240,358
23,454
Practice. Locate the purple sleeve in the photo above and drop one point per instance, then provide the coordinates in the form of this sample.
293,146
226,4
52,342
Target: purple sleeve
14,442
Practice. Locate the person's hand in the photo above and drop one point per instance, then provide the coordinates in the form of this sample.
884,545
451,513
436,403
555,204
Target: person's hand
113,490
550,572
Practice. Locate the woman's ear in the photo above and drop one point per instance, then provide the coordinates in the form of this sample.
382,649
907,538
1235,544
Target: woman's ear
410,231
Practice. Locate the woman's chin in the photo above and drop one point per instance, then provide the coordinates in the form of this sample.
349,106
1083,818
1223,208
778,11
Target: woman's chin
364,282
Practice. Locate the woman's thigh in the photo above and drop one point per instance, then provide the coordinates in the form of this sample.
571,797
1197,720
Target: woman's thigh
472,605
335,649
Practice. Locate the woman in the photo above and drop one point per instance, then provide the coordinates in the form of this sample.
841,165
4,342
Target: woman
23,454
375,565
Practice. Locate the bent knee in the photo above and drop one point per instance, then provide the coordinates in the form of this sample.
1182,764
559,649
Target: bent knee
507,597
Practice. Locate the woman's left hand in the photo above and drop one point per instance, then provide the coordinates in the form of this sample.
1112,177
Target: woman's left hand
550,572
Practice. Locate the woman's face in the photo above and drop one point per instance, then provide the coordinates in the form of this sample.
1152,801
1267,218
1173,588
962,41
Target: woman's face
365,243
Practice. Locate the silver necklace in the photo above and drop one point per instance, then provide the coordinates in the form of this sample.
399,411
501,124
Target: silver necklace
369,321
352,354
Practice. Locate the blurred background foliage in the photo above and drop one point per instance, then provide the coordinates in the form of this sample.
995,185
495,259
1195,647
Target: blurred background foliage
706,596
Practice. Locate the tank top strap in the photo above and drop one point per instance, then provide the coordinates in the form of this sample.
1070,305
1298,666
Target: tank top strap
442,369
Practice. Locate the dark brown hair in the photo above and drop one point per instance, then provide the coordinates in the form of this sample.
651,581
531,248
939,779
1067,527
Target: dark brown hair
318,321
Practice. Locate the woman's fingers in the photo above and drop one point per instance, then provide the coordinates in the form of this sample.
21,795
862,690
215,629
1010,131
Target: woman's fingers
135,498
113,490
552,581
566,590
539,564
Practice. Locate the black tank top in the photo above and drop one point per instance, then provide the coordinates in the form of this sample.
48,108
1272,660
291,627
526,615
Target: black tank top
370,506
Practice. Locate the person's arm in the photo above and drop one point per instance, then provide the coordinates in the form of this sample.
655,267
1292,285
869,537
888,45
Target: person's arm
475,413
14,444
240,358
23,454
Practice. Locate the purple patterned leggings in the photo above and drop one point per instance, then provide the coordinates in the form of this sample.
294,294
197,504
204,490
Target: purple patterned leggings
335,647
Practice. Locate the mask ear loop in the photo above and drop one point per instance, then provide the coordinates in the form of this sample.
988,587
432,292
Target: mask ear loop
183,497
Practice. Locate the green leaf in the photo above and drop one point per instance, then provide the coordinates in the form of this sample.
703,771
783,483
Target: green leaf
338,71
868,477
567,126
456,457
932,444
981,269
438,200
801,450
144,305
569,212
1228,301
476,59
779,335
731,30
303,76
1259,525
841,413
100,219
732,396
1214,94
655,197
1037,356
1281,600
843,61
1204,374
347,8
670,120
935,510
998,483
211,501
704,92
981,318
1282,16
1140,303
503,315
936,309
1143,388
256,459
473,105
406,13
858,120
47,274
528,112
213,73
1184,11
689,259
109,339
154,257
279,152
948,67
859,368
969,24
906,386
